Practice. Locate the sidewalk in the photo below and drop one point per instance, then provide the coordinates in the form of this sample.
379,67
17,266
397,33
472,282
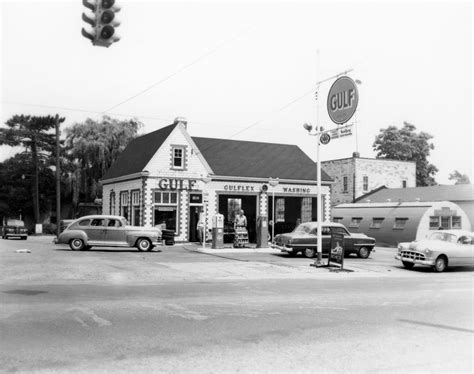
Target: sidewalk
228,248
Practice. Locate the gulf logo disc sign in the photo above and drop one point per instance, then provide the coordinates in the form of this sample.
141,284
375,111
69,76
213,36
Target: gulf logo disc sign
343,98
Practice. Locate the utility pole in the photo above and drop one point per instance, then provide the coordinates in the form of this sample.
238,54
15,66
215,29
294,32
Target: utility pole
58,181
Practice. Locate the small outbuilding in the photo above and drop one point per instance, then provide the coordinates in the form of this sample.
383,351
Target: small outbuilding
391,223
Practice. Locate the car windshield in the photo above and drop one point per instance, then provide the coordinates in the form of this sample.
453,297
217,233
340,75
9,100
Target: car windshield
444,236
15,222
303,228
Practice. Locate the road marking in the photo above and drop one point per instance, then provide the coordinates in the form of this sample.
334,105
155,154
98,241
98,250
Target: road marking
85,315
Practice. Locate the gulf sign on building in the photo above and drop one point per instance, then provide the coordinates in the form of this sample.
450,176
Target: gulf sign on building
343,98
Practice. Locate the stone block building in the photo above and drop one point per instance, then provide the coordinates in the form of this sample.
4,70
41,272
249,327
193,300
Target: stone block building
356,176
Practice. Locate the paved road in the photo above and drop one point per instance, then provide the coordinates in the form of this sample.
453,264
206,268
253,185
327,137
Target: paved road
182,311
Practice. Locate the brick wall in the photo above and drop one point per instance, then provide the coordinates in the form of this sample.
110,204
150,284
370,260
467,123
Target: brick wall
379,172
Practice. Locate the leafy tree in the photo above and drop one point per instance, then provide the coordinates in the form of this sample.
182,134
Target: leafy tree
92,147
459,178
33,134
407,145
16,188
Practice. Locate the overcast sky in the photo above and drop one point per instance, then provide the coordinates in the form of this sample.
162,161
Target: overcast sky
248,70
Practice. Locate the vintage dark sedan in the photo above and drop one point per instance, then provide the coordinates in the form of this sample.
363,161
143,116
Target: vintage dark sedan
14,228
108,231
441,249
304,239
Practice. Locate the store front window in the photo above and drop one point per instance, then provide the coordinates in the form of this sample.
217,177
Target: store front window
166,210
124,204
135,221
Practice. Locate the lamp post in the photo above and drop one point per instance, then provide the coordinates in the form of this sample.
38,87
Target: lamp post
317,132
273,182
205,180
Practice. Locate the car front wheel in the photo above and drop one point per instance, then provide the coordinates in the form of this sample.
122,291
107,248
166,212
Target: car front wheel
76,244
408,265
309,252
143,245
441,264
363,252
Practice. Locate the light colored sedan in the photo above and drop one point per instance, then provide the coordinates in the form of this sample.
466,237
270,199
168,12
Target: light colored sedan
108,231
443,248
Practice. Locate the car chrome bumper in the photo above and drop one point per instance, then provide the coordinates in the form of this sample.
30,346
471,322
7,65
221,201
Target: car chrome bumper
281,247
413,261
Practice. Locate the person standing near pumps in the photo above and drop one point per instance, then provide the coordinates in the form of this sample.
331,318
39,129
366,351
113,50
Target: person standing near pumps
240,220
241,238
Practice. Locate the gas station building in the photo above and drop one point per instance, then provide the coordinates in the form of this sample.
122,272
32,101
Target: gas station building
169,178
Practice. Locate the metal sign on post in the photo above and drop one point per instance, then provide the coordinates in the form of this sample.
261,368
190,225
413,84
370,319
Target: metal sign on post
343,98
336,252
325,138
341,132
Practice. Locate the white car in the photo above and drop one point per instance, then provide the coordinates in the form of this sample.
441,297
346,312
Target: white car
443,248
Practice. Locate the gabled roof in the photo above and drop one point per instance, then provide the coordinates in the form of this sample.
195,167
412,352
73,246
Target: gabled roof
138,153
457,192
237,158
232,158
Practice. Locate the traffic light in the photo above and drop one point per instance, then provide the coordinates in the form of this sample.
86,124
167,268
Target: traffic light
103,22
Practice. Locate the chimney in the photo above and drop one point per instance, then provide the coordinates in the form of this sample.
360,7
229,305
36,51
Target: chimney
355,154
181,120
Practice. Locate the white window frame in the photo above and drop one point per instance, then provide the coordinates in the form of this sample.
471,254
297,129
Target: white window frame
365,183
174,157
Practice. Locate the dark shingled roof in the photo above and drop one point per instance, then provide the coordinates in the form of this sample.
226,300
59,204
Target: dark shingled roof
138,153
232,158
458,192
255,159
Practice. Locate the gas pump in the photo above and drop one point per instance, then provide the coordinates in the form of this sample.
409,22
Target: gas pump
262,232
218,231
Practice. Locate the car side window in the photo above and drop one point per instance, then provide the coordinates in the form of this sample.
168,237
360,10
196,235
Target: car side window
84,222
465,240
326,231
340,230
98,222
114,223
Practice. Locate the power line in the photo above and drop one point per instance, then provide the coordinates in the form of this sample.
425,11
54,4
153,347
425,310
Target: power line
169,76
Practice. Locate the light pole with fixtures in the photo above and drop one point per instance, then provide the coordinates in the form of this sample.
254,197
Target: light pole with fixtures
317,132
273,182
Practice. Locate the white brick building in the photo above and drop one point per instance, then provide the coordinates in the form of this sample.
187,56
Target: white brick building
169,178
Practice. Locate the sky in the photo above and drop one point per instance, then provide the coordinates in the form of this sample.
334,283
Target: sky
248,70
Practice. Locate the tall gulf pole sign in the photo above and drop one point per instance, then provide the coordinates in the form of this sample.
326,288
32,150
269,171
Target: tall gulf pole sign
343,98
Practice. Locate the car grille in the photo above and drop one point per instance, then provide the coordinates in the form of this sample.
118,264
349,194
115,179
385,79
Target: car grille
413,255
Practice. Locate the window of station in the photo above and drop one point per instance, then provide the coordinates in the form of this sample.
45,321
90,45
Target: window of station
112,203
178,158
365,184
445,222
124,204
355,222
166,210
400,223
337,219
135,208
279,210
345,184
376,222
456,222
306,209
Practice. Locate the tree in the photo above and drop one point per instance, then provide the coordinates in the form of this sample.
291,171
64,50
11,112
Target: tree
16,188
406,145
459,178
31,132
92,147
